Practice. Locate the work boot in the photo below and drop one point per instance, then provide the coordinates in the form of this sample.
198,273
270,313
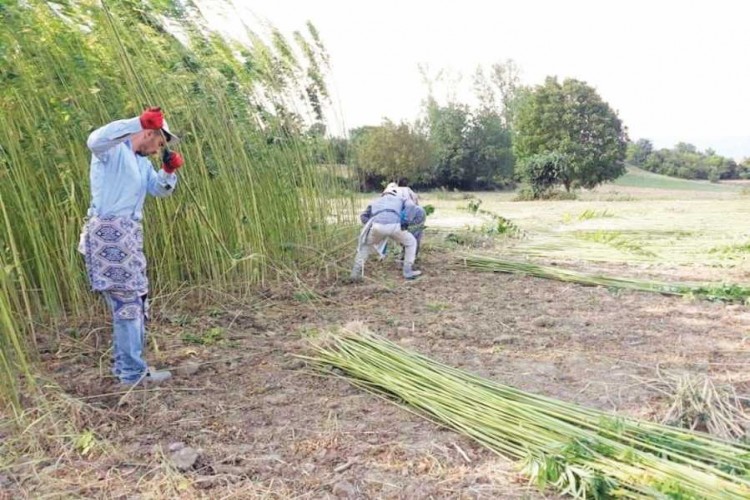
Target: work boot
356,275
410,273
152,376
157,376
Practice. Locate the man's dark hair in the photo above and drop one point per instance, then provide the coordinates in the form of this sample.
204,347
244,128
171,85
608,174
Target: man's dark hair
403,182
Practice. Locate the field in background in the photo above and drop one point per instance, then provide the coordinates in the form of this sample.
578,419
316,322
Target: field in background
694,229
636,177
262,425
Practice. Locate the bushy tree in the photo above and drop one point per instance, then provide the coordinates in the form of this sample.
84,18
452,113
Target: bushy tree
543,171
340,149
448,126
572,120
388,152
506,78
471,150
491,161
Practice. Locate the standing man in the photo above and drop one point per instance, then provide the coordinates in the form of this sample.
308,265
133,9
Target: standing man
382,220
112,240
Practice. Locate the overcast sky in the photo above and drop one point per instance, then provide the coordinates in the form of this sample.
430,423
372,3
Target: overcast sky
673,70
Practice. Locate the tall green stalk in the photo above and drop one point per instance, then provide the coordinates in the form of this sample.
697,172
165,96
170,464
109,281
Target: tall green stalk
252,196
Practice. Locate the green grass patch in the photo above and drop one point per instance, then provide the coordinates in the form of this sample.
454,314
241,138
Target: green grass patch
736,250
208,337
305,296
616,240
587,214
437,306
636,177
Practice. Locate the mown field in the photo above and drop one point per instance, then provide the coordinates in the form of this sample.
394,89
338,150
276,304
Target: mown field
661,225
260,423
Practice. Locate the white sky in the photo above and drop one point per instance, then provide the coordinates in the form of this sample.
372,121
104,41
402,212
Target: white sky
673,70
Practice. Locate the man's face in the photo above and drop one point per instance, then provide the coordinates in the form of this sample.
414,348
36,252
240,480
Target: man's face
153,141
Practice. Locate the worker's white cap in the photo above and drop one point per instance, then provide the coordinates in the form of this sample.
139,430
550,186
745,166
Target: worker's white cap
172,139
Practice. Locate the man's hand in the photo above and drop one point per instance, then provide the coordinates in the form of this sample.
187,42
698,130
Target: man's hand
152,119
171,161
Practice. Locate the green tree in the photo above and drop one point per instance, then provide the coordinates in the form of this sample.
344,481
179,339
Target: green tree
506,77
470,150
491,159
448,127
638,152
686,161
543,171
743,169
340,150
571,119
390,151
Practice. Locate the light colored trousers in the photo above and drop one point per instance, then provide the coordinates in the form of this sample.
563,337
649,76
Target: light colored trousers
374,234
417,231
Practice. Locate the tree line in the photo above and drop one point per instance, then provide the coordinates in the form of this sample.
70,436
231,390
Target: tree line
548,137
553,135
686,161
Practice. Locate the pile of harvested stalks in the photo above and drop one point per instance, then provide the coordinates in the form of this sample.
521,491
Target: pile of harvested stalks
582,452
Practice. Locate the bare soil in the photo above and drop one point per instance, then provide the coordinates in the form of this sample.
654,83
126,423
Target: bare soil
266,426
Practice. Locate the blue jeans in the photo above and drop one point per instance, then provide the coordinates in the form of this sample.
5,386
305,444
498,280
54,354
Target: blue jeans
129,315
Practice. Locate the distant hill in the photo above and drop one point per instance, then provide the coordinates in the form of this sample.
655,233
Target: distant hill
637,177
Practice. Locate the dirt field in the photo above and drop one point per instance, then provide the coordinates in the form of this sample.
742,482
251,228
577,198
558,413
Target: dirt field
264,426
245,418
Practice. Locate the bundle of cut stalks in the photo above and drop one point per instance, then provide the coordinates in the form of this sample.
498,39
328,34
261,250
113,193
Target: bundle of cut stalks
698,404
581,452
715,292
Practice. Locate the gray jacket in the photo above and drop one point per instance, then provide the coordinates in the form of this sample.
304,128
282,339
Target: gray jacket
386,210
414,215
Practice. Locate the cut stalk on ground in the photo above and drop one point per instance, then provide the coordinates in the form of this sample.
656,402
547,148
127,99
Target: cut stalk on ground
582,452
723,292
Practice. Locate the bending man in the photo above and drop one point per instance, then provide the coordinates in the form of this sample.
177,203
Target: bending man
382,220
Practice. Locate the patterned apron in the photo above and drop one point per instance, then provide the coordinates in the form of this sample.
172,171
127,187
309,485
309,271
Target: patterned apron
113,250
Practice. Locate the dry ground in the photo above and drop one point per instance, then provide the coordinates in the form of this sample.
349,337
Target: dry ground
265,426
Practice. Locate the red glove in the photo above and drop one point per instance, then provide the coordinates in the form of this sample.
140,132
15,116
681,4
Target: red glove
172,161
152,118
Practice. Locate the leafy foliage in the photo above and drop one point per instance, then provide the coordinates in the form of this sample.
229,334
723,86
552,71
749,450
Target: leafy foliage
638,152
571,120
470,150
388,152
543,171
497,225
685,161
